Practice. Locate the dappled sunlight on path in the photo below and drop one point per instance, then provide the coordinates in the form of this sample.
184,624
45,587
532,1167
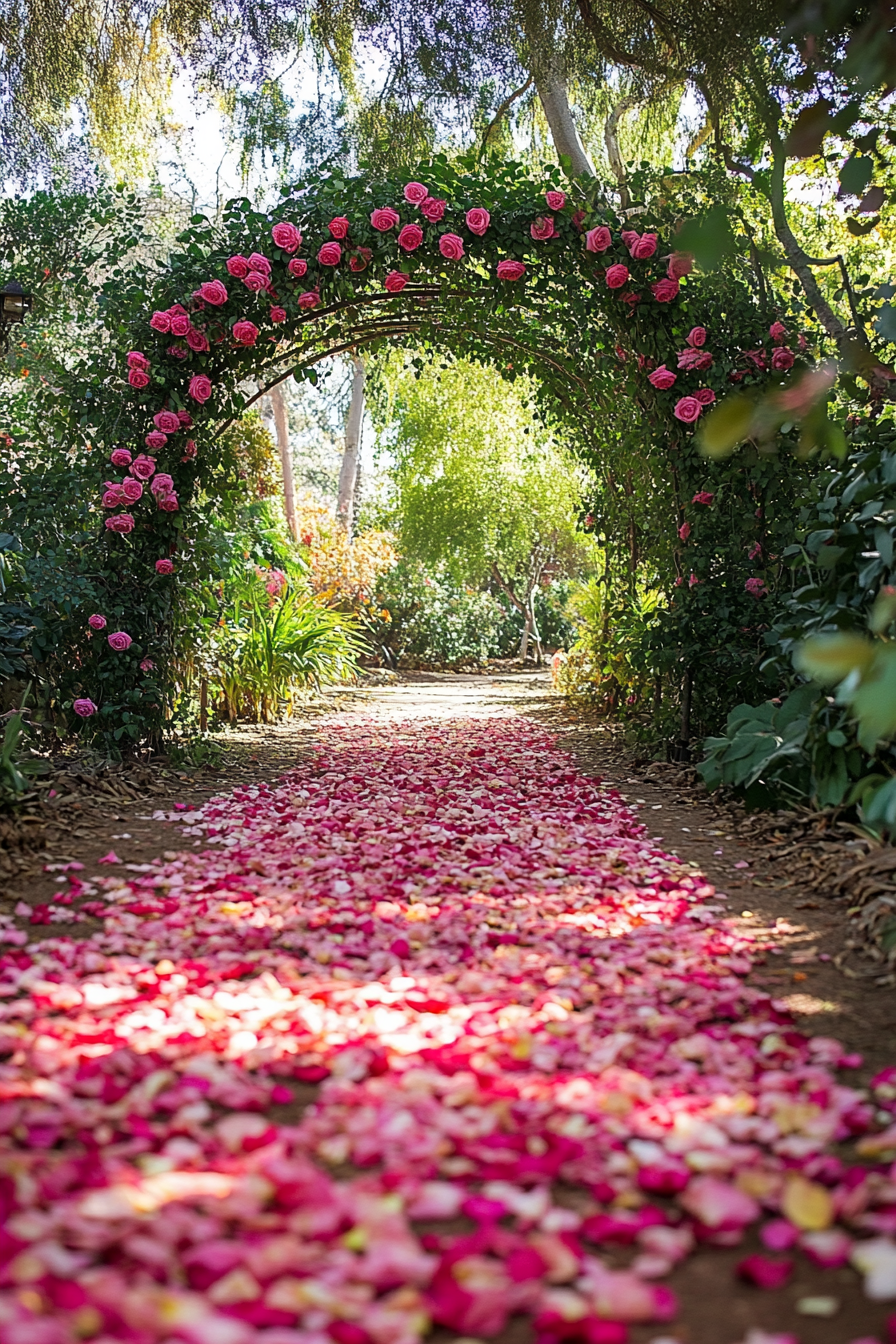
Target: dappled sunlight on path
428,1032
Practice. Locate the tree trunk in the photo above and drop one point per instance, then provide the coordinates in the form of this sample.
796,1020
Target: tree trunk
281,426
348,474
524,638
554,99
536,636
611,140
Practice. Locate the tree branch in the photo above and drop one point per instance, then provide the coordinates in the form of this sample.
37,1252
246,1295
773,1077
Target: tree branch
503,109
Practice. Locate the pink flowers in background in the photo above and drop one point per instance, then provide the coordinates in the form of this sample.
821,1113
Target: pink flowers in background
687,409
310,299
147,665
121,523
684,531
96,622
478,220
162,484
385,219
155,439
756,587
511,270
599,239
298,267
245,333
616,276
238,267
120,457
84,708
705,396
640,246
197,341
277,315
433,208
703,497
410,237
451,246
138,378
338,228
755,551
360,259
395,281
662,378
287,237
664,291
143,467
164,566
693,581
696,338
200,388
167,421
680,264
695,359
330,254
131,490
213,292
555,199
415,193
120,641
778,332
543,228
782,359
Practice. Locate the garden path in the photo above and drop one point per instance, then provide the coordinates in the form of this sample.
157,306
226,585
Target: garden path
431,1025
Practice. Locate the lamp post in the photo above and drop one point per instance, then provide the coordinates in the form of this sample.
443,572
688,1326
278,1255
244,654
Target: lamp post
14,304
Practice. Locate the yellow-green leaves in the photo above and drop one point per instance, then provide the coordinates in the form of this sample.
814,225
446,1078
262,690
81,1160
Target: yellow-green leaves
864,671
831,658
726,427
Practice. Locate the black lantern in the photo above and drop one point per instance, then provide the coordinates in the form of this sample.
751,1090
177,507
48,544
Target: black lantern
14,304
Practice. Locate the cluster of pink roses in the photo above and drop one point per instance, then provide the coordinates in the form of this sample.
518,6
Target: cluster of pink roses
641,247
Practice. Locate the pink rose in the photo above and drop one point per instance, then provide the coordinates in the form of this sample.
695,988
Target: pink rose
756,358
578,220
782,358
696,338
137,378
180,324
162,484
415,193
802,342
662,378
167,421
384,219
695,359
120,457
189,450
451,247
360,259
755,551
630,299
705,396
160,321
177,352
511,270
478,220
120,641
395,281
297,267
286,237
629,238
169,503
684,531
664,291
156,439
555,199
330,254
113,497
644,247
693,580
255,281
259,262
542,228
147,665
277,314
778,332
96,622
200,388
756,587
197,341
687,409
143,467
599,239
120,522
680,264
310,299
136,360
84,708
245,333
410,238
617,276
433,208
213,292
131,489
185,418
238,267
338,228
703,497
164,566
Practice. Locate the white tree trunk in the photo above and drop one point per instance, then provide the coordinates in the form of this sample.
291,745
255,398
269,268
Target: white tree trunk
348,474
281,427
555,101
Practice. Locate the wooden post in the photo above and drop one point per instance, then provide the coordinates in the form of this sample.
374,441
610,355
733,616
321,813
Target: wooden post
281,426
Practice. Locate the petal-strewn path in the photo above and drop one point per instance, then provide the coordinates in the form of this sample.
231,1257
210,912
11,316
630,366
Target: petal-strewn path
537,1080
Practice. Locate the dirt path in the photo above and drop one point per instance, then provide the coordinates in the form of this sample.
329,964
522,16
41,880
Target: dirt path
208,974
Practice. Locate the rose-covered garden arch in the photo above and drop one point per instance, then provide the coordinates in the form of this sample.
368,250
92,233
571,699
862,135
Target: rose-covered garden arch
529,272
